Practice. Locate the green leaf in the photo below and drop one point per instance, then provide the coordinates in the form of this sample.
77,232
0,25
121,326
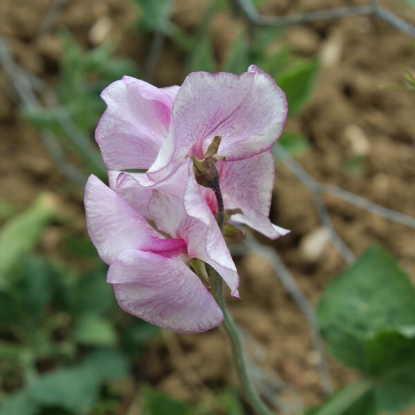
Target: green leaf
158,403
294,143
9,310
75,389
355,399
35,287
202,58
297,83
93,330
152,13
93,295
367,314
22,232
237,60
137,335
395,391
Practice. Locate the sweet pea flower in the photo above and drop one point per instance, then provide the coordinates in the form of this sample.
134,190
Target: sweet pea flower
247,111
150,272
135,124
145,127
245,185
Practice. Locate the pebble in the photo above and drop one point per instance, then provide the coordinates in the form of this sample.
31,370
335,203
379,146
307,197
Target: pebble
314,244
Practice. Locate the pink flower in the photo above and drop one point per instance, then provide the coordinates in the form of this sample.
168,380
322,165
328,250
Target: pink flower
145,127
135,124
149,272
247,111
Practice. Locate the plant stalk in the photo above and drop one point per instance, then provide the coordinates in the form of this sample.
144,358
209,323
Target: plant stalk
229,325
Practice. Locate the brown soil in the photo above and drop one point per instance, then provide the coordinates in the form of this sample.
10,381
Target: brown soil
349,115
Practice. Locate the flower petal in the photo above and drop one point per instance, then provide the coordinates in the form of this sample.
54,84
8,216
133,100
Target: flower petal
113,225
185,214
248,111
136,122
134,188
163,291
247,185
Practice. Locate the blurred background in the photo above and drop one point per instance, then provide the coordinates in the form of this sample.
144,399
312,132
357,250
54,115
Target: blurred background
65,347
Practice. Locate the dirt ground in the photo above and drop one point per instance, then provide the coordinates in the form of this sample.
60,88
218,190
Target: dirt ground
350,116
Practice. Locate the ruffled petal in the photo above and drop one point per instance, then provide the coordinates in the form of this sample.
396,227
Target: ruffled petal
248,111
247,185
184,213
137,120
113,225
204,238
134,188
163,291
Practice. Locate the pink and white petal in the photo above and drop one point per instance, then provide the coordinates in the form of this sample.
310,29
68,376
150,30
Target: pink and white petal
114,225
203,237
247,185
248,111
137,120
166,207
134,188
163,291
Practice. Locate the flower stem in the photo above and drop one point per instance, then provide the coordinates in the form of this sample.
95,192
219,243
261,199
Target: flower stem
229,325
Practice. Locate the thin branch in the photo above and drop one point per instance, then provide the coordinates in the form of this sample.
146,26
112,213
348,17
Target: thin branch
321,208
157,44
374,9
52,16
300,299
348,197
27,97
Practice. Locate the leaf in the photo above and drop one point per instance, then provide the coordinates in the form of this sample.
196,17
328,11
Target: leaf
294,143
75,389
158,403
137,335
22,232
395,391
9,310
367,315
237,60
297,82
93,330
355,399
152,13
93,295
202,58
35,287
370,303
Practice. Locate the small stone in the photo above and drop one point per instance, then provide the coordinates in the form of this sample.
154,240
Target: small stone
100,30
359,144
381,181
314,244
313,358
331,51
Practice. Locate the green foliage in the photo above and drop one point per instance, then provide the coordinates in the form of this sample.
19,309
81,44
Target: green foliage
367,316
297,83
202,58
158,403
83,75
152,13
30,223
75,389
355,399
294,143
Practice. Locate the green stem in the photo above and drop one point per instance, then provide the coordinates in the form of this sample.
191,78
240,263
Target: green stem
209,177
232,332
344,399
